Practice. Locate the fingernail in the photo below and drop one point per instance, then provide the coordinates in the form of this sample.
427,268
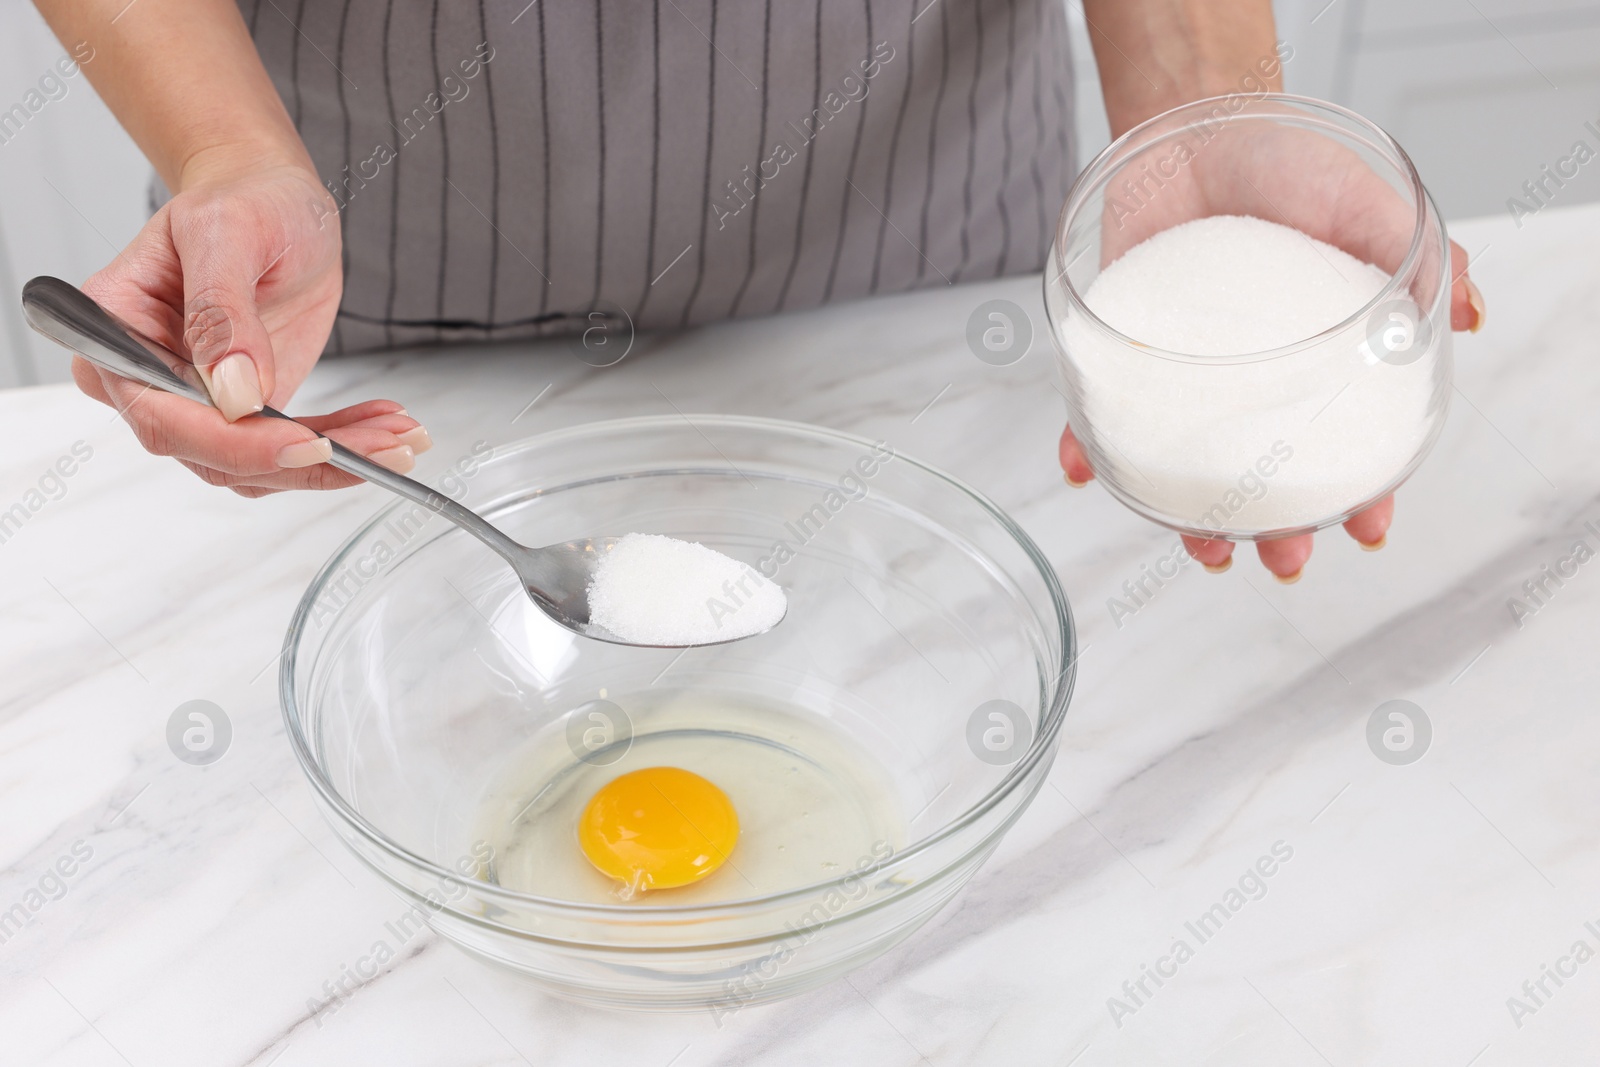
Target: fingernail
1290,579
417,438
1218,568
1373,546
234,386
399,459
306,453
1075,485
1479,310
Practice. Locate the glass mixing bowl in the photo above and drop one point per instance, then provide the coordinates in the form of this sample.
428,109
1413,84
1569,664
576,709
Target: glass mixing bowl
1257,445
923,625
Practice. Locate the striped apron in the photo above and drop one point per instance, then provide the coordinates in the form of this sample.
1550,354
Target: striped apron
506,169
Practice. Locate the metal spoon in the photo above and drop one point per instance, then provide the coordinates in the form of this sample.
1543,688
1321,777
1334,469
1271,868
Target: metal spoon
556,578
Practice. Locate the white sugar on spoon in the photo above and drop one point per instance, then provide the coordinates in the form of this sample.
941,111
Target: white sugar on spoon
656,590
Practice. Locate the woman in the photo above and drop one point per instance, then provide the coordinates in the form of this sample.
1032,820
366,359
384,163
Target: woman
382,173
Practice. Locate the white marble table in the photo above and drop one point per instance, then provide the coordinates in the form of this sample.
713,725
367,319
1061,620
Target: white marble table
206,906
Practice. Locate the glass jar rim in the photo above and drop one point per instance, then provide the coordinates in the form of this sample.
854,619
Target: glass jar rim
1092,176
1050,719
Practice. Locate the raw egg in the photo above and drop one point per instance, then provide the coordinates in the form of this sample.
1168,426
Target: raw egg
658,828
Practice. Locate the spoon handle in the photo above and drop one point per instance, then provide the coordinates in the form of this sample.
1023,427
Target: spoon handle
71,318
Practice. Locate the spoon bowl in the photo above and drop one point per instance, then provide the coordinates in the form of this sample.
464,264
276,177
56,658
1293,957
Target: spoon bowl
556,577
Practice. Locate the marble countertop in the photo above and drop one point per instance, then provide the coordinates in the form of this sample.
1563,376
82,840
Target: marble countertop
1426,913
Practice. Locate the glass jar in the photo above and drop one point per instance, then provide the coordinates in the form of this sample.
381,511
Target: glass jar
1253,445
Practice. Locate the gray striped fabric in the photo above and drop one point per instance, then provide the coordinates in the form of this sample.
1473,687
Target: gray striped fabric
504,170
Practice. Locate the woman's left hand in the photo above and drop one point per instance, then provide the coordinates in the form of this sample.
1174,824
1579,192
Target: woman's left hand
1345,207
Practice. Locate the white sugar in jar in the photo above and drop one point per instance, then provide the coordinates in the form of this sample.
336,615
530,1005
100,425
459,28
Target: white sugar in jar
1230,375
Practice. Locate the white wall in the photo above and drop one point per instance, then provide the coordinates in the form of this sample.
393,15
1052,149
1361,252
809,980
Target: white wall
1482,93
72,189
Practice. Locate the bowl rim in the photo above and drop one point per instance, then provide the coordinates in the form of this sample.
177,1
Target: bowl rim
1043,744
1093,175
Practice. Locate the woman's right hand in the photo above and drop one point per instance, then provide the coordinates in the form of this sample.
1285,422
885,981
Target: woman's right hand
241,273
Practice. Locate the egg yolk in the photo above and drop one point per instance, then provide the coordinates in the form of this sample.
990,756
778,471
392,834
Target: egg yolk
658,828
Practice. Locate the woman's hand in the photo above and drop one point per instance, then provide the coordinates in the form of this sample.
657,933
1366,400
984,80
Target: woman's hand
240,272
1346,205
1158,54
